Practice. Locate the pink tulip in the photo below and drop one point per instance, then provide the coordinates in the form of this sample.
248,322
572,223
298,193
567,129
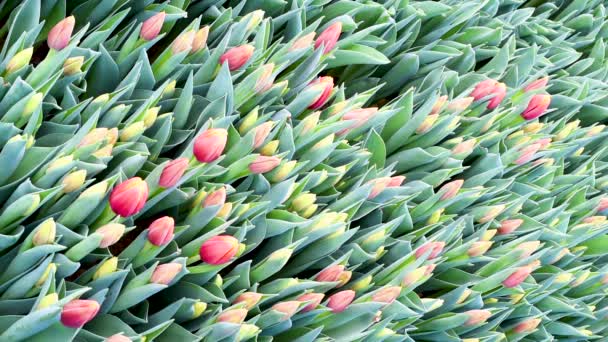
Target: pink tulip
325,84
251,299
183,42
111,233
59,36
518,276
118,338
210,144
538,84
152,26
537,106
329,37
387,295
477,317
219,249
78,312
165,273
527,326
288,308
129,197
436,247
263,164
339,301
395,181
160,232
451,189
173,172
509,226
359,116
315,300
235,316
218,197
237,56
261,133
527,153
378,185
487,88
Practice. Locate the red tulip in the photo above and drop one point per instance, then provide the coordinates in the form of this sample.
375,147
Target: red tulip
329,37
339,301
263,164
487,88
59,36
152,26
173,172
537,106
129,197
165,273
314,299
78,312
325,85
237,56
160,232
500,91
218,197
219,249
210,144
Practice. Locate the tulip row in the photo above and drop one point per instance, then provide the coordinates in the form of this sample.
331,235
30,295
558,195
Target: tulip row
396,171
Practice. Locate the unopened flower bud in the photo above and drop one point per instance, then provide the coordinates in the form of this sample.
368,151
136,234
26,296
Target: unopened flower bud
314,299
509,226
450,190
129,197
339,301
165,273
439,104
477,317
152,26
324,85
198,309
479,248
59,36
78,312
387,295
173,172
45,234
436,247
263,164
219,249
537,106
107,267
264,82
464,147
288,308
527,248
329,37
183,42
427,124
72,65
111,233
132,131
303,42
527,326
537,84
210,144
150,116
51,268
235,316
250,299
200,39
458,105
237,56
160,232
47,301
19,60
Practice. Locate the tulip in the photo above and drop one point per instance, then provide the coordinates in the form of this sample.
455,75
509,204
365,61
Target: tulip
160,232
439,104
325,85
270,148
413,276
330,273
152,26
436,247
527,248
118,338
111,233
429,269
264,82
359,116
173,172
219,249
263,164
218,197
491,213
451,189
603,205
19,60
478,248
165,273
261,133
132,131
78,312
527,326
210,144
517,277
537,106
251,299
200,39
129,197
150,116
538,84
45,234
595,130
302,42
339,301
477,317
107,267
387,295
594,219
237,56
490,87
464,147
428,122
378,185
395,181
460,104
198,309
313,298
288,308
527,153
329,37
47,301
235,316
509,226
183,42
59,36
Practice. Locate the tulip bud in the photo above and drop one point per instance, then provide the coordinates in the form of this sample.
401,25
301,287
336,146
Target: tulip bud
108,267
533,127
339,301
302,42
527,248
200,39
132,131
19,60
183,42
427,124
594,219
72,65
313,298
490,87
359,116
261,133
413,276
595,130
270,148
247,332
477,317
117,338
436,247
237,56
387,295
150,116
111,233
378,185
288,308
152,26
219,249
51,268
225,210
330,273
235,316
129,197
464,147
491,213
451,189
32,104
538,84
251,299
217,197
78,312
329,37
527,326
509,226
210,145
59,36
488,235
165,273
439,104
527,153
263,164
303,202
103,152
325,85
537,106
45,234
198,309
603,205
173,172
465,294
517,277
95,136
458,105
47,301
478,248
567,130
160,232
264,82
395,181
